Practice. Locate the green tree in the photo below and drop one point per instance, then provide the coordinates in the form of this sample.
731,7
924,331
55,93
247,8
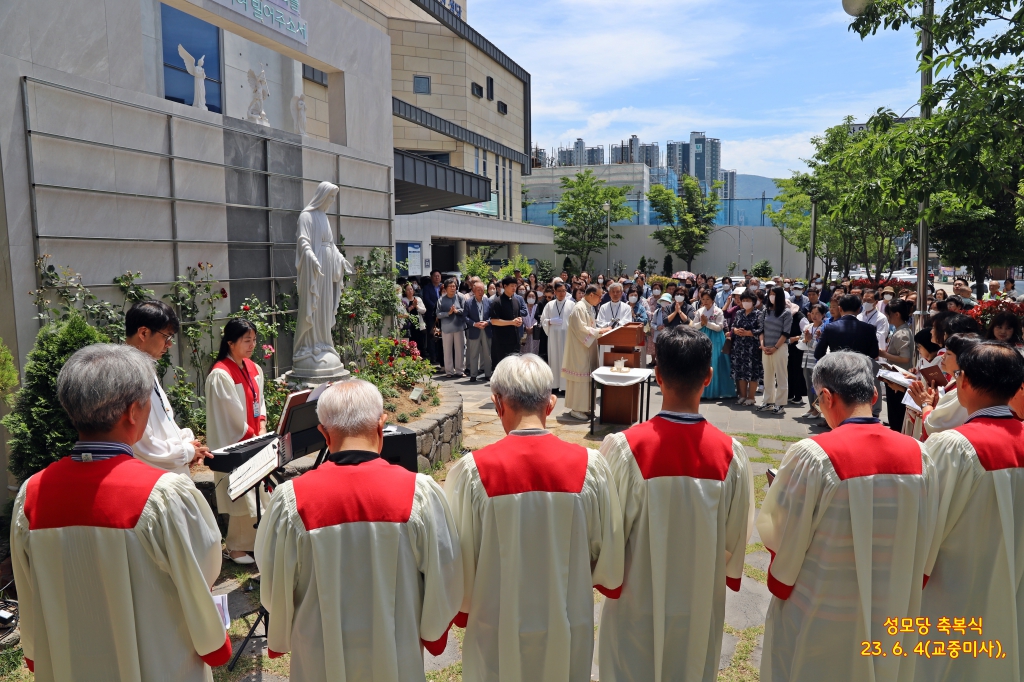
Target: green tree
40,432
978,236
666,266
8,370
642,265
762,269
581,210
567,264
475,265
687,220
545,271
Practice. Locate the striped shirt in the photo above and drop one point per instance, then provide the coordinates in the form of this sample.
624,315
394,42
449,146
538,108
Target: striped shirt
776,327
994,412
97,451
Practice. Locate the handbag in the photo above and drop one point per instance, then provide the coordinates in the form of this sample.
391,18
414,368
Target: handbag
727,347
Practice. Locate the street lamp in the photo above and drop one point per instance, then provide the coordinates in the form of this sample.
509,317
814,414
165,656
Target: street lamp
608,246
856,8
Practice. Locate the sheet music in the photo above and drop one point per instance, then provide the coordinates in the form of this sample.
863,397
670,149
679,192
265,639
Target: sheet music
252,472
895,377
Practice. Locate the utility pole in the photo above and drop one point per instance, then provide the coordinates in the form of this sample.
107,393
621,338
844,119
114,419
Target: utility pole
926,113
814,234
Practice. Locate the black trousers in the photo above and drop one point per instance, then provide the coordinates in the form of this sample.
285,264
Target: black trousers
895,407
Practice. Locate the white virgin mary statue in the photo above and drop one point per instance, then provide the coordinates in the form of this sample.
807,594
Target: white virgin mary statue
320,279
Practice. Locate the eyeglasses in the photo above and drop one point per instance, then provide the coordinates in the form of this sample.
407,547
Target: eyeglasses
168,338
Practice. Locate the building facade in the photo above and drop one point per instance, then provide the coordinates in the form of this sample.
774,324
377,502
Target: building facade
728,180
705,159
635,151
677,157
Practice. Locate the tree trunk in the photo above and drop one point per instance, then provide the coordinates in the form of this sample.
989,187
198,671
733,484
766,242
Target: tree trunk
978,271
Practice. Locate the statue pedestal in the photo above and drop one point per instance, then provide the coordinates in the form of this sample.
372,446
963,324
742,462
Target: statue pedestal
316,377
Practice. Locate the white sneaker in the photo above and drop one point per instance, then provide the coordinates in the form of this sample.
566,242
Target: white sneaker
573,414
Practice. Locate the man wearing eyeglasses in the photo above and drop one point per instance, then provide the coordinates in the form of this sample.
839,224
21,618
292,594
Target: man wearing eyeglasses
150,326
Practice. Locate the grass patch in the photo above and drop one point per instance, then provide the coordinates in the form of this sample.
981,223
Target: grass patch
452,673
740,668
751,441
12,666
755,547
760,482
755,574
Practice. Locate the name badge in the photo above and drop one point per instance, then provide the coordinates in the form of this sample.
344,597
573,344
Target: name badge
255,410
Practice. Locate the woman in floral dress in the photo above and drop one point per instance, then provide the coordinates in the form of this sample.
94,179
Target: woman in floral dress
747,369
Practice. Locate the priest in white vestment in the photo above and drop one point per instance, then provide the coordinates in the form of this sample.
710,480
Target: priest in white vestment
540,527
848,522
114,559
150,326
974,567
555,322
360,560
615,312
687,497
580,358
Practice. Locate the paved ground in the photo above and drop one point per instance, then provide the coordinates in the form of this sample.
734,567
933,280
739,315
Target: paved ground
765,437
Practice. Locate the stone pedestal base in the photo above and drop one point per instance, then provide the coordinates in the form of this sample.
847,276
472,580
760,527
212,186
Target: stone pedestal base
317,378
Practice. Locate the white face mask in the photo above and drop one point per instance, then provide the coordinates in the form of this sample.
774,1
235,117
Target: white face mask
680,299
887,297
600,280
771,298
727,287
747,305
657,292
633,299
531,299
788,286
753,287
666,304
868,307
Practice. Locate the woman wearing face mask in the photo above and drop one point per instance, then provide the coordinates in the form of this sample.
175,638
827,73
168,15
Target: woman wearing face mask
777,321
710,320
747,368
491,290
887,295
658,312
637,304
530,340
655,297
681,311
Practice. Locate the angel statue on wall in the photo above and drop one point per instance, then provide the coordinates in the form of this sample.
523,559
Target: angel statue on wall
195,69
260,94
299,114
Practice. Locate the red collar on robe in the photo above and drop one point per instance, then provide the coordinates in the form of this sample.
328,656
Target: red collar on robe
248,385
857,450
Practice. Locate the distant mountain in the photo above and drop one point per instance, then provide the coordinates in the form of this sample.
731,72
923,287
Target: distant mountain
751,186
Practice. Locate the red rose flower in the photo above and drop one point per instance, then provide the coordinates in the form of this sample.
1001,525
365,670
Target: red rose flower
224,292
245,307
351,315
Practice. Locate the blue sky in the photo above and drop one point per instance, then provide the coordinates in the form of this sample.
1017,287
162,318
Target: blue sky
763,77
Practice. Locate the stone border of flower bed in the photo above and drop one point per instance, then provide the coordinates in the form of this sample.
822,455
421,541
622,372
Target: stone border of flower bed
438,435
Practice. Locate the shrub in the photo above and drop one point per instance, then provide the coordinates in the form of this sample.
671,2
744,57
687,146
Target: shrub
761,269
189,409
475,265
984,311
40,432
402,417
518,262
545,271
8,371
666,267
660,279
567,264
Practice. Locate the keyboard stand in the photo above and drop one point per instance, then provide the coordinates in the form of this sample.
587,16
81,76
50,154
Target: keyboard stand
321,456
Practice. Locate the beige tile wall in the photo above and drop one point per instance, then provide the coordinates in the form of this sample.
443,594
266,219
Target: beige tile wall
316,110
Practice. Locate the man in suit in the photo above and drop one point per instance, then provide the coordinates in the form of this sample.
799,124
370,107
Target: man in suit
478,333
431,294
850,333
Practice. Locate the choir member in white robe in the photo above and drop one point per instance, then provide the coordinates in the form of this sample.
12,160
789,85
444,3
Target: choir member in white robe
555,322
686,491
235,411
615,312
540,527
848,522
974,567
360,560
580,357
114,559
150,326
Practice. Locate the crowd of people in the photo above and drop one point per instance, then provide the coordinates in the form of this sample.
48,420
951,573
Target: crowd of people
765,335
880,543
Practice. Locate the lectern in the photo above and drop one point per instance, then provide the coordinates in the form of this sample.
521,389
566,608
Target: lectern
621,404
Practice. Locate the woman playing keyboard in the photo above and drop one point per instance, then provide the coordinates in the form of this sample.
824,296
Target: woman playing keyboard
235,411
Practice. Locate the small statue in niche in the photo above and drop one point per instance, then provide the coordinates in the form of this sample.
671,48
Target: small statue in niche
299,114
260,94
196,70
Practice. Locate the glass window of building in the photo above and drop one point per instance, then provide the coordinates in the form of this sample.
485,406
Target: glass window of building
202,41
485,165
476,160
421,85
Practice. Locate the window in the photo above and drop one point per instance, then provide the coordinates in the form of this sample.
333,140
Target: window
490,88
315,75
476,89
440,157
202,41
485,164
502,108
476,160
511,202
421,85
504,194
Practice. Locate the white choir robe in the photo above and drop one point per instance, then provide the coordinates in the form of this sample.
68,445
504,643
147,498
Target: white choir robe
164,445
971,573
848,522
540,527
114,561
554,320
610,312
361,568
686,491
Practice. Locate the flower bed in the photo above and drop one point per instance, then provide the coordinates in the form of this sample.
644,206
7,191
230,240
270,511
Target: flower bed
984,311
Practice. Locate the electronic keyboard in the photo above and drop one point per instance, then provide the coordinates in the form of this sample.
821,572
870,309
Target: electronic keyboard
227,459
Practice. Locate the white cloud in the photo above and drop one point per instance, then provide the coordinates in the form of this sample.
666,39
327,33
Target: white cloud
774,157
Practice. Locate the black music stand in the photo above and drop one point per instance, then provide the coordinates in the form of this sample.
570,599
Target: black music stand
299,437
